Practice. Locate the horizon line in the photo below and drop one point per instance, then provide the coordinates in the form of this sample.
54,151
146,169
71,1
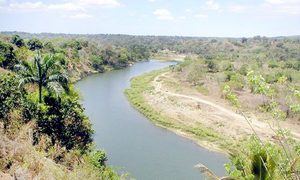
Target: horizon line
185,36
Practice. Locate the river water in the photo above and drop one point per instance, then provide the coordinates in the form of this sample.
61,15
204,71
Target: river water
132,143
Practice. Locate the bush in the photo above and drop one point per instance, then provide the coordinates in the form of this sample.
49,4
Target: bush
10,97
263,161
228,67
230,96
34,44
211,66
273,64
97,62
98,159
63,120
7,56
17,40
244,69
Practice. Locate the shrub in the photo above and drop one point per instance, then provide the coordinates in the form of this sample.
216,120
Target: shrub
211,66
63,120
98,159
17,40
228,67
263,161
34,44
230,96
244,69
273,64
7,56
10,97
258,84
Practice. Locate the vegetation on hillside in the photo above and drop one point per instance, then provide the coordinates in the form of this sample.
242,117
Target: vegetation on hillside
258,75
44,131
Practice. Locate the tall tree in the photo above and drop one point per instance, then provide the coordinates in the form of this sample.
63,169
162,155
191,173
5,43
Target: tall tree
46,72
34,44
17,40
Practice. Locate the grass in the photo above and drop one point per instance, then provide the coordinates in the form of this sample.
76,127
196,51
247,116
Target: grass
141,85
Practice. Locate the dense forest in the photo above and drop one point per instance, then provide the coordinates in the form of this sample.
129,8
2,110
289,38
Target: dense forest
44,130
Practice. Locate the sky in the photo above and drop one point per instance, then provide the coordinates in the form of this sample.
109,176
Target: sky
205,18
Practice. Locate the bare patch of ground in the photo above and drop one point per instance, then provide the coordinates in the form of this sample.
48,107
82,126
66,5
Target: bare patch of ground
184,105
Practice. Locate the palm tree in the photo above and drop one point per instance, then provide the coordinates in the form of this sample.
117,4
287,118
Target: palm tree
46,72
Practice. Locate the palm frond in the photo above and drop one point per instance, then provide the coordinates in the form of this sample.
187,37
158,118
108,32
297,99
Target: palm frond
61,78
26,80
55,87
24,67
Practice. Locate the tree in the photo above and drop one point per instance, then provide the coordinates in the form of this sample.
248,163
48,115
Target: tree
48,47
34,44
7,56
212,67
244,40
45,72
64,122
10,97
17,40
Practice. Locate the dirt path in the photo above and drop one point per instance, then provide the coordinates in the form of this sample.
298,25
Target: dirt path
218,114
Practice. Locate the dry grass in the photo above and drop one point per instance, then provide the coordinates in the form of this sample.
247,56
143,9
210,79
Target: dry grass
19,159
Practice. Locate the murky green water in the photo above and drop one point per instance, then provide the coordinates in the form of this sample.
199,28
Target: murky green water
132,143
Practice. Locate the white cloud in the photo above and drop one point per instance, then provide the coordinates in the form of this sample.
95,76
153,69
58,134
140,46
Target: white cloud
212,5
188,10
106,3
81,16
27,6
182,17
66,7
70,5
201,16
282,2
151,0
163,14
237,8
290,7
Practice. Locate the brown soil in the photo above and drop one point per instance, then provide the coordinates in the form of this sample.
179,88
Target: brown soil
187,106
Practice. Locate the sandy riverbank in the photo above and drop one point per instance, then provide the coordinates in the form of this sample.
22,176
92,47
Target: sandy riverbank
208,121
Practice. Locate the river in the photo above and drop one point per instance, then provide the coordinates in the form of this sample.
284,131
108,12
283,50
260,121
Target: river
132,143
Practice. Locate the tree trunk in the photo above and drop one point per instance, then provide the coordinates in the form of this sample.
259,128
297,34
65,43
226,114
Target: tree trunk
40,93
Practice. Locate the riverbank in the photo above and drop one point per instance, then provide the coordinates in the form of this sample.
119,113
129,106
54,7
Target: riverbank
168,155
174,105
206,137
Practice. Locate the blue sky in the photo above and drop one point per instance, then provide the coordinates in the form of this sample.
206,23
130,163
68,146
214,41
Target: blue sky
153,17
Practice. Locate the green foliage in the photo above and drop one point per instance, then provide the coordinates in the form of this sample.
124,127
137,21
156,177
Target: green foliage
7,56
98,158
228,67
273,64
262,161
211,66
45,72
258,84
123,56
34,44
97,63
230,96
244,69
10,97
195,74
63,120
17,40
49,47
